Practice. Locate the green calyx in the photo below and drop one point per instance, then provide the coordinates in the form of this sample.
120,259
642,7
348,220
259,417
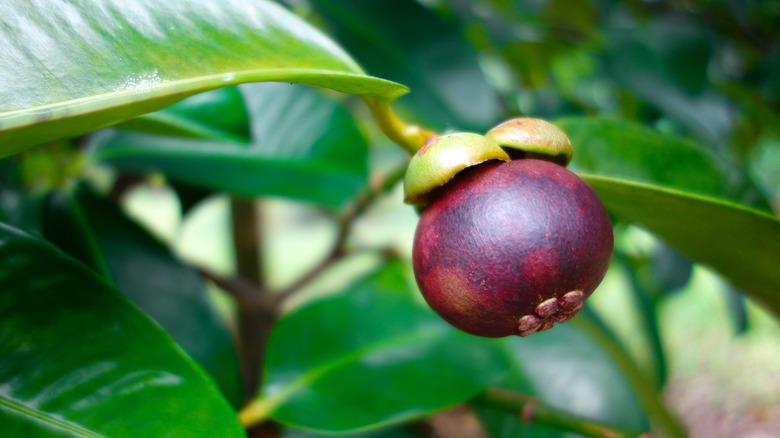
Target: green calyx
533,138
439,160
442,157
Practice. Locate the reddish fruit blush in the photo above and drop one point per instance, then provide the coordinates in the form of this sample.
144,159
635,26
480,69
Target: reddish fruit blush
511,247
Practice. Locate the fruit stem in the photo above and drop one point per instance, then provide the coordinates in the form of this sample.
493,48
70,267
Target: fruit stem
532,410
646,393
408,136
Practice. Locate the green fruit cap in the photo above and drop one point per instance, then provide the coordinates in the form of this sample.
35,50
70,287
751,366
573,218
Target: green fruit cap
534,138
442,158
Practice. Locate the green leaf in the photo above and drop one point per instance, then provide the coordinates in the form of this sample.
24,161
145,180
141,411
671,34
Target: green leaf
566,369
619,149
403,41
169,291
685,195
69,69
741,243
216,115
65,226
306,146
371,356
76,359
98,234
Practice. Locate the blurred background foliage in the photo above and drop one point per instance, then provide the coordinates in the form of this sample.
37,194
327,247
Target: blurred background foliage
703,74
704,71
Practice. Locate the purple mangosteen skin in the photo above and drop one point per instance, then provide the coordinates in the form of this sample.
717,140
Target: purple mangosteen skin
501,238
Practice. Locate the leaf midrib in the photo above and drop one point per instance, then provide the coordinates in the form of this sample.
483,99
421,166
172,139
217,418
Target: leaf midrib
313,374
47,417
681,194
189,87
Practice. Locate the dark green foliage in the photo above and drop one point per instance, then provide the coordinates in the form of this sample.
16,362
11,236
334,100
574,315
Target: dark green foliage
673,110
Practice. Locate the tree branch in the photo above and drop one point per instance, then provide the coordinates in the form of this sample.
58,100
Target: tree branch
255,315
245,219
379,184
532,410
248,296
244,293
647,394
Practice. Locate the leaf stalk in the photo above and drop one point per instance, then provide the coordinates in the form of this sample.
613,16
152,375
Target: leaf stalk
408,136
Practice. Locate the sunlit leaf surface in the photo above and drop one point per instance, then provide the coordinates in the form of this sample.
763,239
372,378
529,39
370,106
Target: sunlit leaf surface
71,68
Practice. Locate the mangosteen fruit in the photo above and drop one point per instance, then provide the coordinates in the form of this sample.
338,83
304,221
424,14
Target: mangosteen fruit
509,247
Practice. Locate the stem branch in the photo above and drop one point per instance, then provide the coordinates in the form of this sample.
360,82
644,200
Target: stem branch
255,316
647,394
380,183
532,410
248,298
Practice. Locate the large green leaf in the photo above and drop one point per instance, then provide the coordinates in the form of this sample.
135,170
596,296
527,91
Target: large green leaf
71,68
371,356
681,192
684,194
306,146
566,369
169,291
403,41
741,243
77,359
625,150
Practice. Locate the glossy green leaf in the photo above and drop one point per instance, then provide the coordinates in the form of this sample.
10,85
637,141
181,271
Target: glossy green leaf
72,68
566,369
306,146
403,41
98,234
371,356
169,291
741,243
77,359
216,115
685,195
625,150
